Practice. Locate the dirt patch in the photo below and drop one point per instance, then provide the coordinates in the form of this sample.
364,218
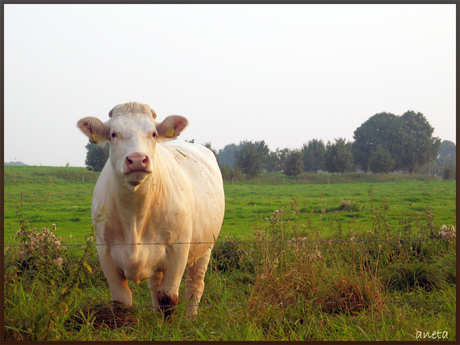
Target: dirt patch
111,316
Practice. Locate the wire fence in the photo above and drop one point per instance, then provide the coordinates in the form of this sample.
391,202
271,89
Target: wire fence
293,240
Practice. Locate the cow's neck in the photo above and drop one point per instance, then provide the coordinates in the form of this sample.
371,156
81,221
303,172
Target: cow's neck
132,205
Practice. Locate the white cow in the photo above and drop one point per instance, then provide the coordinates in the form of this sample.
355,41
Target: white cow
154,205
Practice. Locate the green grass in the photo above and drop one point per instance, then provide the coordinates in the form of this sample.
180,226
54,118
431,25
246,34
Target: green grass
59,196
376,268
50,196
247,203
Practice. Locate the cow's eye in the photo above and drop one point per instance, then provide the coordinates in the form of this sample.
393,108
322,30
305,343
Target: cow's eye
154,134
114,135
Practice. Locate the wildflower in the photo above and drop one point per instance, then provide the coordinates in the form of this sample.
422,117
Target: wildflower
298,239
352,233
448,233
57,243
54,227
22,256
59,261
316,255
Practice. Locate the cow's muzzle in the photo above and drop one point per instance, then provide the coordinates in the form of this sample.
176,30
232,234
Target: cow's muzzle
137,166
137,161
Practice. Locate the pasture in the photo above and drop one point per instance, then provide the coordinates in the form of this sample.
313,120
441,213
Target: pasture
351,257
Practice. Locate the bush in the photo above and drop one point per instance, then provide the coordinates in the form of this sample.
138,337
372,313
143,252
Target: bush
229,174
404,276
229,256
38,250
449,173
349,206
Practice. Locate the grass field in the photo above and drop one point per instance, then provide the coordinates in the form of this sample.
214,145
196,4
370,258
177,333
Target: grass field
62,196
350,257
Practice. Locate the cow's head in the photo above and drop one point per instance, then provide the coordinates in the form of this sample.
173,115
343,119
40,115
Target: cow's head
133,133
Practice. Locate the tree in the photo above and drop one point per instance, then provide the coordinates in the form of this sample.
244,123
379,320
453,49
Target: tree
446,161
408,139
448,150
227,154
275,160
208,146
294,164
381,161
419,147
313,155
338,157
96,157
382,130
250,157
272,162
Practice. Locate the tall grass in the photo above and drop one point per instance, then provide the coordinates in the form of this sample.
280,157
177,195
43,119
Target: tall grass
288,282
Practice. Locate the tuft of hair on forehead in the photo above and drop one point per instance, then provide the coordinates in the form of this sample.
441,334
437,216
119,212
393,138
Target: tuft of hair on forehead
133,108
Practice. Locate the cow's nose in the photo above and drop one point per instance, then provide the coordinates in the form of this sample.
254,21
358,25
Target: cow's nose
137,161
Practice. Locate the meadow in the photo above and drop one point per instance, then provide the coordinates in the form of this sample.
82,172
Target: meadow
319,257
62,196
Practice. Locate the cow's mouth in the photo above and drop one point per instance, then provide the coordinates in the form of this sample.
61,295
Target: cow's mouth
135,177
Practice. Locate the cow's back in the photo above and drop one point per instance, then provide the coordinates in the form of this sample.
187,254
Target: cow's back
199,167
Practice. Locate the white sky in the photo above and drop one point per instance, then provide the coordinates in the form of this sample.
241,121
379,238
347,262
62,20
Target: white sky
285,74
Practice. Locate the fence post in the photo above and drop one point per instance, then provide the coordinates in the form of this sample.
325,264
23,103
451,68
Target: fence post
22,201
83,178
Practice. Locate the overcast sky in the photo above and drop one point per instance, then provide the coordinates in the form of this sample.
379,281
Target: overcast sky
285,74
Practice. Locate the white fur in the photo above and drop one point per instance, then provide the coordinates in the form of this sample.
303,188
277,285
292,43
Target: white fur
178,203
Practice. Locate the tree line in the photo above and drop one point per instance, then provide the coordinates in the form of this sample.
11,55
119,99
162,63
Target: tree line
384,143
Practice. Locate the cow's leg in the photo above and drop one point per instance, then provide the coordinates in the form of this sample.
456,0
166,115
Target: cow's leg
168,291
118,284
154,283
194,284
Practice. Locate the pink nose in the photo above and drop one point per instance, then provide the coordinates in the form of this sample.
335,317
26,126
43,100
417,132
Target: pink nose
137,161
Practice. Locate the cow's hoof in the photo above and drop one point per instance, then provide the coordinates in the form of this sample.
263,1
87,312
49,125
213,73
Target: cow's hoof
166,303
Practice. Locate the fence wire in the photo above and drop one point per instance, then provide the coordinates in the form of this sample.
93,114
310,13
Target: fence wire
291,241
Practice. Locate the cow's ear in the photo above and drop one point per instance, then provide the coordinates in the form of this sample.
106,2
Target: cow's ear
171,127
94,129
